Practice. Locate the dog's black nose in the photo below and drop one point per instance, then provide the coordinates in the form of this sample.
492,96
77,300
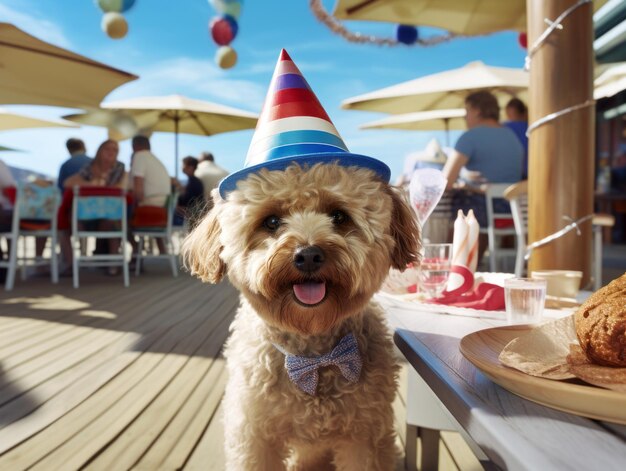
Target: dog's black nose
308,259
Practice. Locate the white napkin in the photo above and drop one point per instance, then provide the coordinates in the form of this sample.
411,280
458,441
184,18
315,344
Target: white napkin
464,247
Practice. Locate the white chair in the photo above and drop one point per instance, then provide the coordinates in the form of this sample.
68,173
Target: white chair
517,195
158,232
494,218
91,204
34,215
10,263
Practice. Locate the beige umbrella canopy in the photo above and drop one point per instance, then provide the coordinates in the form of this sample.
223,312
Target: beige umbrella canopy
436,120
443,90
465,17
36,72
9,149
9,120
175,113
610,82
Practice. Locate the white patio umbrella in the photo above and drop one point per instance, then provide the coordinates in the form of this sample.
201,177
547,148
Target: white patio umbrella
443,90
9,149
35,72
10,120
175,113
610,82
436,120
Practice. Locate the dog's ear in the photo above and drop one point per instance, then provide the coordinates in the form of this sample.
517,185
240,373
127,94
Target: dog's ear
202,247
404,230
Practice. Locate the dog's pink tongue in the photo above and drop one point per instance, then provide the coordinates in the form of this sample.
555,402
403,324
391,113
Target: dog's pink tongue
310,293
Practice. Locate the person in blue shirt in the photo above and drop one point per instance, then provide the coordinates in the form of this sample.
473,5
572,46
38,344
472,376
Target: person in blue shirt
191,198
78,159
517,116
489,152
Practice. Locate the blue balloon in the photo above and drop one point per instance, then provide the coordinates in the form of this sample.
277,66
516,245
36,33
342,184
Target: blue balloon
406,34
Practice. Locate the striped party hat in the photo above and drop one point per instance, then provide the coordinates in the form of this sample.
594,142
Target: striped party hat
293,127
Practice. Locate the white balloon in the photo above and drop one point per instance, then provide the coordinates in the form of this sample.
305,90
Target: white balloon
425,190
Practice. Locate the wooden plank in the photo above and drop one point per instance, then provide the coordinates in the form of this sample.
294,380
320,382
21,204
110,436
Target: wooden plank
132,323
77,384
459,452
187,428
209,453
77,451
126,371
145,432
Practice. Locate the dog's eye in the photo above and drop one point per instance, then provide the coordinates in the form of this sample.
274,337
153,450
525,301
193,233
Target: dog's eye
271,223
339,217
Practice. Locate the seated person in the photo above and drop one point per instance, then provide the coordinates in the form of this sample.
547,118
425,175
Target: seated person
517,121
150,184
191,199
105,170
6,207
489,152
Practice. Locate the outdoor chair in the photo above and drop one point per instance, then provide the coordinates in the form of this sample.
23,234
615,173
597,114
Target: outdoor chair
10,235
499,224
517,195
145,230
96,203
34,215
38,207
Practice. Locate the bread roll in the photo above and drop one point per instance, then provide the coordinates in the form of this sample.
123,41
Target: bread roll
601,324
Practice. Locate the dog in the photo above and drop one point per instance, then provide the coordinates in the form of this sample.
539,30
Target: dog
307,247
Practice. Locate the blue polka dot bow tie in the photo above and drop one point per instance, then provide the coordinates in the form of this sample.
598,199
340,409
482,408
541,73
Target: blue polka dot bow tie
303,371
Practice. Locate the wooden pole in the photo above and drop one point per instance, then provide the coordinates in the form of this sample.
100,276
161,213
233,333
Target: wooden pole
561,152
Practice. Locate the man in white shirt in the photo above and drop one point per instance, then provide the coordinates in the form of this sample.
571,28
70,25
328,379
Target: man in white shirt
148,176
150,182
209,173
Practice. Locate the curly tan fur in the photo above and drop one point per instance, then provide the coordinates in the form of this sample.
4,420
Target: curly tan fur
270,424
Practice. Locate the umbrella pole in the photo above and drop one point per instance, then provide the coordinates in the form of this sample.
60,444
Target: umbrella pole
446,123
176,119
561,152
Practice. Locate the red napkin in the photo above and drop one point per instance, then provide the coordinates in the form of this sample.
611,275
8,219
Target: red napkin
484,296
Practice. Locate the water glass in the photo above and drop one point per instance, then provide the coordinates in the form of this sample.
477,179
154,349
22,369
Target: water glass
524,299
435,268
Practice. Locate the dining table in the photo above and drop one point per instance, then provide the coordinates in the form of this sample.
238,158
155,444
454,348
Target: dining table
504,430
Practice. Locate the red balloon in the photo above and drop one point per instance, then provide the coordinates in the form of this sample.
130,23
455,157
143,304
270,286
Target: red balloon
522,39
223,30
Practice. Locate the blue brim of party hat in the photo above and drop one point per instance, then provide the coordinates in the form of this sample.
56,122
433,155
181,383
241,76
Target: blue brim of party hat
345,159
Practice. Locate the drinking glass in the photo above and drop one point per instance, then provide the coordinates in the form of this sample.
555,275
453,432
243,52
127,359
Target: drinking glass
524,299
435,268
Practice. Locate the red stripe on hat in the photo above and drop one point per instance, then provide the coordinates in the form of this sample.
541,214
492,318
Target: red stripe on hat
290,95
289,110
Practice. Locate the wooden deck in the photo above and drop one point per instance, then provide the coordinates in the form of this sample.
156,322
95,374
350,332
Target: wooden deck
110,378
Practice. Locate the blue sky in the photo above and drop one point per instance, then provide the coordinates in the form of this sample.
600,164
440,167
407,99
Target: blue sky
169,47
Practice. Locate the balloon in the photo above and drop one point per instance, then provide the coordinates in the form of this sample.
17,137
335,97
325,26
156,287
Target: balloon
114,25
227,7
425,190
406,34
226,57
522,39
223,29
119,6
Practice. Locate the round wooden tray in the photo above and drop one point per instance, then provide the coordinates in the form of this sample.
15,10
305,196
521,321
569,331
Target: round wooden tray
482,349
